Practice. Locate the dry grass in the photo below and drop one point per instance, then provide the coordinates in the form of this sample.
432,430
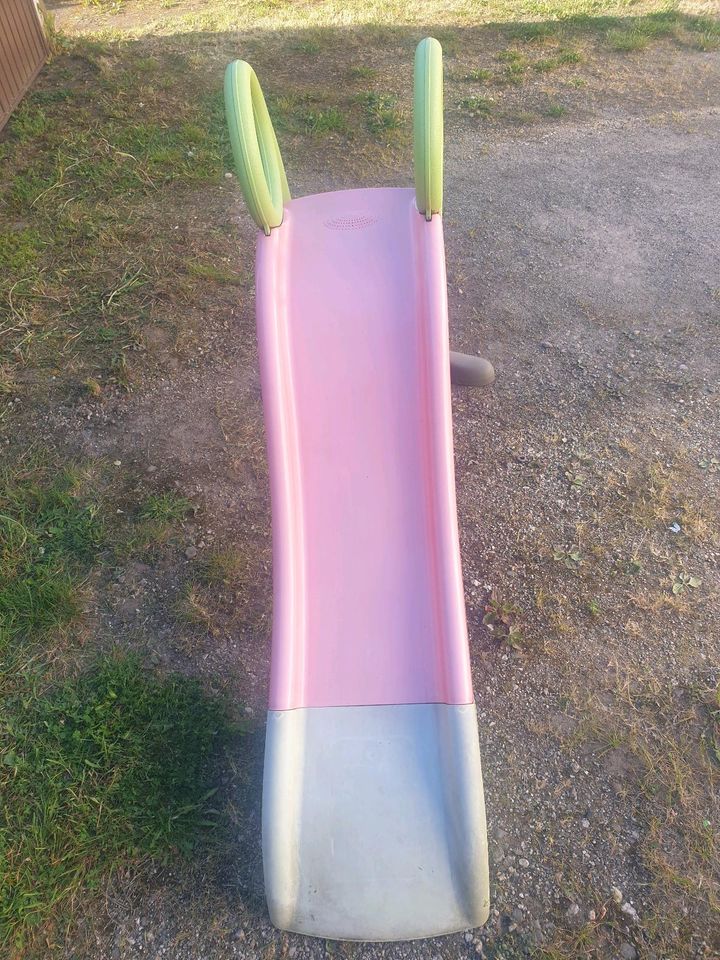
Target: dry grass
667,737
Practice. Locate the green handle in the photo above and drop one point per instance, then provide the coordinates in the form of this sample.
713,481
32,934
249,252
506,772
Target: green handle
428,127
255,148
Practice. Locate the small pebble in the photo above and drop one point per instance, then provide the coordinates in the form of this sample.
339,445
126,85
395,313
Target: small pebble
628,951
629,911
191,552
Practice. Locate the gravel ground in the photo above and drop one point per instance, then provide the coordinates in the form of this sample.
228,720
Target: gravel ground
584,261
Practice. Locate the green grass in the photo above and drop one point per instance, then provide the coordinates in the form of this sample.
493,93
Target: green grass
563,58
209,271
515,64
100,769
534,32
330,120
625,41
479,106
362,72
555,111
82,164
382,114
107,768
165,507
28,121
50,533
478,76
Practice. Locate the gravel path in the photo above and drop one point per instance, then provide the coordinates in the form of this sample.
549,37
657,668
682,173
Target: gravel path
585,262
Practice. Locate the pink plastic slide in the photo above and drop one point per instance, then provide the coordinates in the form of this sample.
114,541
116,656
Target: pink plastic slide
373,815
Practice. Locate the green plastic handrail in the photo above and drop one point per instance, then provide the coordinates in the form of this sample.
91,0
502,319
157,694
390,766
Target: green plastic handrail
428,127
255,148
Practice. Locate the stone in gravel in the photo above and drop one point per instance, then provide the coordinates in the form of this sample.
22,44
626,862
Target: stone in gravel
191,552
628,951
629,910
522,862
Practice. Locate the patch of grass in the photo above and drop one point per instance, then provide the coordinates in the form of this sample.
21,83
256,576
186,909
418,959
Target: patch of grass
209,271
520,117
662,739
330,120
308,46
478,106
197,608
85,169
19,251
166,507
107,768
478,76
639,32
221,567
563,58
516,63
362,72
707,41
534,32
50,533
381,113
288,111
627,40
555,111
28,122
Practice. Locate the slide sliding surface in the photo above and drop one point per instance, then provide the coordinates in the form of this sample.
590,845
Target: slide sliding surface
373,818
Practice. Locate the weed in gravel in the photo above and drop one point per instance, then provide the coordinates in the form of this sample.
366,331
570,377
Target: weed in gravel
501,618
165,507
478,76
555,111
515,64
563,58
477,106
221,567
362,72
685,581
197,608
570,558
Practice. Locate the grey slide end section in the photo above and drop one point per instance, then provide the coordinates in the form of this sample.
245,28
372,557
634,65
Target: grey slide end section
374,821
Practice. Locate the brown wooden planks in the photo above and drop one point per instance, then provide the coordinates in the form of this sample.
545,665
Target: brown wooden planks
23,49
